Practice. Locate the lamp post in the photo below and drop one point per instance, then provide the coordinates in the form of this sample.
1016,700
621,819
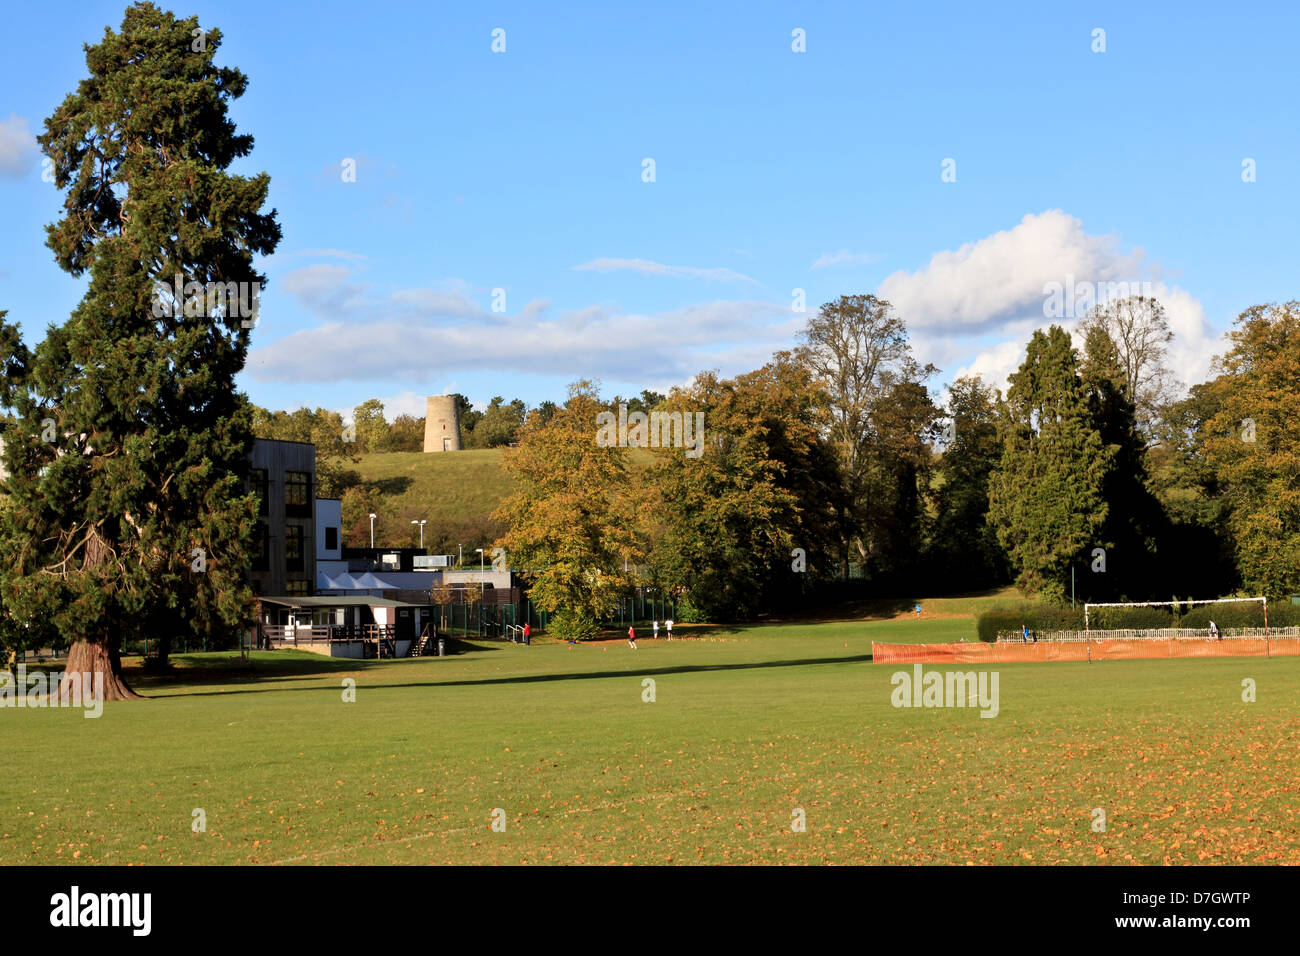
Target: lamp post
372,531
481,569
421,524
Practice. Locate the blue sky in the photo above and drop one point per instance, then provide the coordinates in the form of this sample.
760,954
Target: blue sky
774,171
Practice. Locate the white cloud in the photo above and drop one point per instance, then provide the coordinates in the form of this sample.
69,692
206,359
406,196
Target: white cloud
1195,342
1001,277
649,268
324,289
17,147
404,403
595,342
994,287
844,258
994,364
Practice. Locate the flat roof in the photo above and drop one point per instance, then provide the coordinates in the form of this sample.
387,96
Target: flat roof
293,600
285,441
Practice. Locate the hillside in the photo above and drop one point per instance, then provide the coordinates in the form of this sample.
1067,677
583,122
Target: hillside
454,492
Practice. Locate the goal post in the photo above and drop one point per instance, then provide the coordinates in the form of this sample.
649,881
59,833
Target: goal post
1087,607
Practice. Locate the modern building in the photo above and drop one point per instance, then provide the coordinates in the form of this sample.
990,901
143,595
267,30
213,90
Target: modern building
283,475
345,625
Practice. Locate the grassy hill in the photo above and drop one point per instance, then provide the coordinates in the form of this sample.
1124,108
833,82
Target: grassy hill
459,485
456,492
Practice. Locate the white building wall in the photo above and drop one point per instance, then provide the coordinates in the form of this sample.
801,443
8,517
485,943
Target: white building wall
329,514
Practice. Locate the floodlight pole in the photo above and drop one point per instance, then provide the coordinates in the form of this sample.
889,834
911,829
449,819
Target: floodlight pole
481,591
372,531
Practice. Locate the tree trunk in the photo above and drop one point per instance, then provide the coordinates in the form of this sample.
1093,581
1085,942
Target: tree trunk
85,657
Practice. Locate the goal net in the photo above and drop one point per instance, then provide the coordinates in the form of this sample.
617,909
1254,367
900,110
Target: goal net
1180,626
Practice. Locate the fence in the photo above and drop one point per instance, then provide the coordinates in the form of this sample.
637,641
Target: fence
1149,634
978,652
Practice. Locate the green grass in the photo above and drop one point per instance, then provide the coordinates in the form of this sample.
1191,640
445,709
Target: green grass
456,486
749,724
449,489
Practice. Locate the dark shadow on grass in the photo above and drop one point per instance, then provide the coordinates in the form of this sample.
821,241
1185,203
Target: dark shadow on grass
597,675
264,666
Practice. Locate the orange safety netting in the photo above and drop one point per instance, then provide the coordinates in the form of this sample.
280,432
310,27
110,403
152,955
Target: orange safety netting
1007,653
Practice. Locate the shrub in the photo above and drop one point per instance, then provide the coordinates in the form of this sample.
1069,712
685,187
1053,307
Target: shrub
1117,618
1241,615
689,613
575,626
1041,618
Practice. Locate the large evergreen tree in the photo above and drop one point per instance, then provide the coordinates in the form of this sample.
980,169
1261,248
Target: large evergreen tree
129,517
963,550
1045,497
1134,518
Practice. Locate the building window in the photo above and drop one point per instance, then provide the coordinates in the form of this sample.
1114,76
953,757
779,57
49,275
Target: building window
261,548
293,548
331,539
299,588
297,494
260,489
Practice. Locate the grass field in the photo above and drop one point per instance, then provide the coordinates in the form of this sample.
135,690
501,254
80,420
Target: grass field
748,724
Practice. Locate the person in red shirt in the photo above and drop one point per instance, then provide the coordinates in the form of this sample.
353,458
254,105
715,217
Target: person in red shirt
631,637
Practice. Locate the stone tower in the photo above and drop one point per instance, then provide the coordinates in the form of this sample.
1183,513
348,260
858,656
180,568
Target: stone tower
441,424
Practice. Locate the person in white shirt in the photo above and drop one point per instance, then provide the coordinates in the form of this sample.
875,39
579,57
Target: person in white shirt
656,626
669,624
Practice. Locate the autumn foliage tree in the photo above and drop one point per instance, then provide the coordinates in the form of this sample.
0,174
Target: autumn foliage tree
1251,445
571,523
740,528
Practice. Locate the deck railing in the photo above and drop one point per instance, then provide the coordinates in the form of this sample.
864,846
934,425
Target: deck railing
283,634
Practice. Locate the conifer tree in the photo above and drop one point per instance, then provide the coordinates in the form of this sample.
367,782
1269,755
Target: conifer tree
1045,496
129,517
1134,517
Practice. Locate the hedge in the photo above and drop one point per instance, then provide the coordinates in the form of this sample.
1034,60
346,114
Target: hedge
1039,617
1044,618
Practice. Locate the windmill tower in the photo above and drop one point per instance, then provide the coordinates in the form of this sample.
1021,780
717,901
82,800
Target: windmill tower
441,424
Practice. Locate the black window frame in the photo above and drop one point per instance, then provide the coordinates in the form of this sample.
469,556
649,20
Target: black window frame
262,547
298,494
292,533
260,483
